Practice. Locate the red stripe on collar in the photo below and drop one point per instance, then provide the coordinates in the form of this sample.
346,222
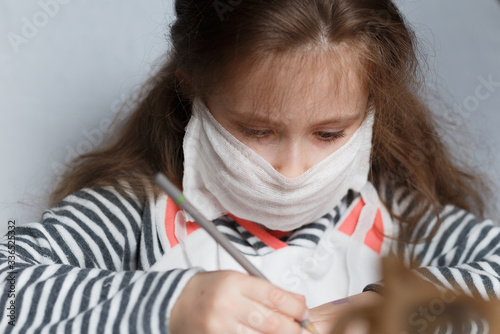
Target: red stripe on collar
266,237
349,224
375,236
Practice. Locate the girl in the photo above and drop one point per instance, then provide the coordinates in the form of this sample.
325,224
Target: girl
296,126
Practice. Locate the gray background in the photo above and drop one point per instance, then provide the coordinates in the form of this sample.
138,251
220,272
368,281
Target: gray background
63,82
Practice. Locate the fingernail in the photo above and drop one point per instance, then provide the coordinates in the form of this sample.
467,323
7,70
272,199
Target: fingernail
302,298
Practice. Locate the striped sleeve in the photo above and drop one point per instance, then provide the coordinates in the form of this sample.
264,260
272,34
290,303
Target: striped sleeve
463,255
78,270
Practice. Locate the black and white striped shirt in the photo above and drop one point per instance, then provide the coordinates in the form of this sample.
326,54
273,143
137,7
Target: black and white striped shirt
84,267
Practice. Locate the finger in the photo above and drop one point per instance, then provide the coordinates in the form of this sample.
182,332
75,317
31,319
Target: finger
263,319
279,299
287,303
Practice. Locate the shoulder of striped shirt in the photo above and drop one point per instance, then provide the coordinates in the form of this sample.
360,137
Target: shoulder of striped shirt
106,201
401,199
86,196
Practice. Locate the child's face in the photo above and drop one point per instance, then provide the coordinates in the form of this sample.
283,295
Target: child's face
293,112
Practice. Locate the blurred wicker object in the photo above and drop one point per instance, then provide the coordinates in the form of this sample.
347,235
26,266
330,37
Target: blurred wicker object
413,305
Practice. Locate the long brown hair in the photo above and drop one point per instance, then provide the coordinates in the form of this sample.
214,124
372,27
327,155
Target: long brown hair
208,37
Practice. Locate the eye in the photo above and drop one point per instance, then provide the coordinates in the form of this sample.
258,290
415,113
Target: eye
256,133
330,136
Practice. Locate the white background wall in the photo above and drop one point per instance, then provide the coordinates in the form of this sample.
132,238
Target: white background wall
66,66
465,37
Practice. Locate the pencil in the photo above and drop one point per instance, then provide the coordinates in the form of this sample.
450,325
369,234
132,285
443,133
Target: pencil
175,194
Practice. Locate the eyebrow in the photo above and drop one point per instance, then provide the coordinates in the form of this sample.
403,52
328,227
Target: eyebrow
342,119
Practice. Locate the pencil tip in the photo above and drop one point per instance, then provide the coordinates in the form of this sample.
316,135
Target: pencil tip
311,328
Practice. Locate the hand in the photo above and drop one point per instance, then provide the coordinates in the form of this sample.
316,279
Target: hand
228,302
326,316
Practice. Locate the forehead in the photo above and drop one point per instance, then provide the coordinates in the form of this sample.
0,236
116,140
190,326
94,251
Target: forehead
323,83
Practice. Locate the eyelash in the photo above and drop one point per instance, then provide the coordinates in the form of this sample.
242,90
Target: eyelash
331,136
322,135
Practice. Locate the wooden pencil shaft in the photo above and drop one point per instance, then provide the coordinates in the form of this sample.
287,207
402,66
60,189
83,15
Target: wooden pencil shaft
164,183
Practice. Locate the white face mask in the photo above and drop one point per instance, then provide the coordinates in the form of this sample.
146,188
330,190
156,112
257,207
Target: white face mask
223,175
